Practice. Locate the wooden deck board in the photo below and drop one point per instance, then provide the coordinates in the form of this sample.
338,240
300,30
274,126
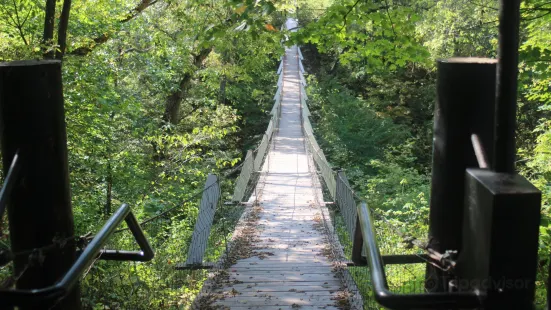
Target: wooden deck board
286,286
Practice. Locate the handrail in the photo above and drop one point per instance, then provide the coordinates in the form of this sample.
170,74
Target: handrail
302,79
388,299
277,96
479,152
9,181
62,288
146,254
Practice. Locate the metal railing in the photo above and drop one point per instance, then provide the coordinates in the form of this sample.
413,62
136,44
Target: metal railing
303,92
305,109
301,75
254,159
323,165
280,81
277,96
93,251
11,177
243,180
263,147
209,238
386,298
344,198
201,231
276,114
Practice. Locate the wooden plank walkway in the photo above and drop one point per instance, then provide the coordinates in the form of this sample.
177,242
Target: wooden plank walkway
289,268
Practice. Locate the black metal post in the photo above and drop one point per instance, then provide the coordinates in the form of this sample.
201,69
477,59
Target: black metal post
464,106
500,239
506,91
32,121
357,246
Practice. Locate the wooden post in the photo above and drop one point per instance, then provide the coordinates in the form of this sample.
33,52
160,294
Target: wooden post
465,106
32,121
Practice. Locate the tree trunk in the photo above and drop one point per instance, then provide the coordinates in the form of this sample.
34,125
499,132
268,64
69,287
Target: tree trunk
48,37
62,30
174,100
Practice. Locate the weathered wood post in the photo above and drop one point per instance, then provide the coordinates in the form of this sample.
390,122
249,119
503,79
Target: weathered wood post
32,121
464,106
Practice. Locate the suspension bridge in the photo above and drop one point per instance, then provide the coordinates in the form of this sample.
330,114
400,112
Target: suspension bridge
300,236
291,265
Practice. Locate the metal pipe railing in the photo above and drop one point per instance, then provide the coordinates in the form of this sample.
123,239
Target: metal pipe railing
9,182
388,299
146,253
62,288
479,152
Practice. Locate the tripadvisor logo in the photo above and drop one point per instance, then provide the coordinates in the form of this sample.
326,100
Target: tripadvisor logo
481,284
490,284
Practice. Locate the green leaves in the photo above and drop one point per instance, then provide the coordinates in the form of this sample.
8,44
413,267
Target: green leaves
378,35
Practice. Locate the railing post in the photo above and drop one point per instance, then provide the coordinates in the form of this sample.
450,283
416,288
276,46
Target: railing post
500,239
32,121
464,106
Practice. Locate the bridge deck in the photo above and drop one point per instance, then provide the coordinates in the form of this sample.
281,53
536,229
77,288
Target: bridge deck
288,269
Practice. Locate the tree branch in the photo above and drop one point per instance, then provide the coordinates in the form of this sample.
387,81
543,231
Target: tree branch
484,6
346,15
136,50
144,4
365,12
538,60
535,17
390,20
18,23
85,50
538,7
26,18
